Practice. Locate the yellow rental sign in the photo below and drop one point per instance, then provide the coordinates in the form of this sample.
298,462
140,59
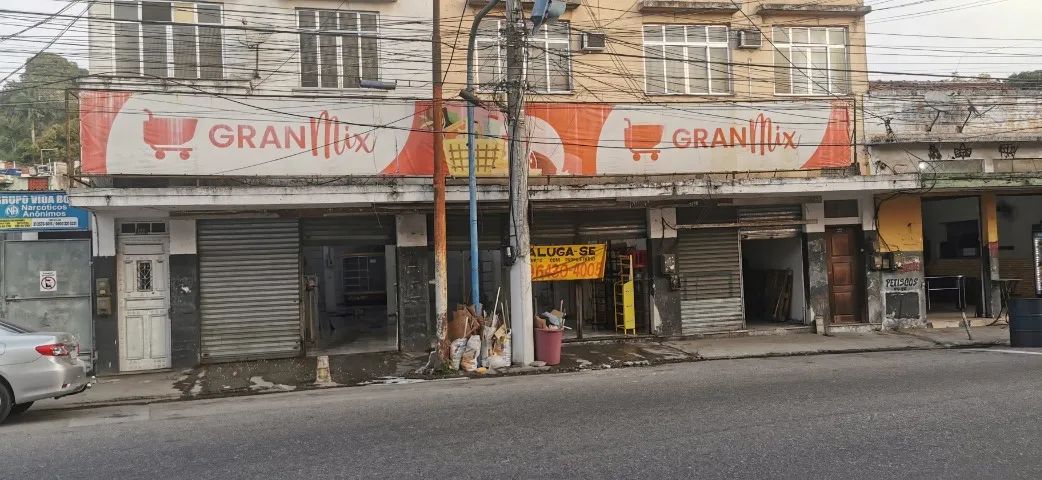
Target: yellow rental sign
568,262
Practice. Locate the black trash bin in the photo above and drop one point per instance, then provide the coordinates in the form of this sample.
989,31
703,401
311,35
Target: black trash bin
1025,322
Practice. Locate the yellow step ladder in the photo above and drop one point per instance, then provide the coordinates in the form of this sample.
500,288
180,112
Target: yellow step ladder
625,308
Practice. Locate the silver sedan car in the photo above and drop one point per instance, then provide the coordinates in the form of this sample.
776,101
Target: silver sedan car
37,365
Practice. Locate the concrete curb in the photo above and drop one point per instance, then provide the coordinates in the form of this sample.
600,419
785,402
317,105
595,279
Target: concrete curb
687,358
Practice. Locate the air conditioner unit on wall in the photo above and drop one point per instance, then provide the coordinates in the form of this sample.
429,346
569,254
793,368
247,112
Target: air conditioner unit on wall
594,42
750,39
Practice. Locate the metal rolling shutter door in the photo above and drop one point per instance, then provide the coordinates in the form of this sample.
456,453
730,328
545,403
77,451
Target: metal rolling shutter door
348,230
779,221
711,269
249,288
562,227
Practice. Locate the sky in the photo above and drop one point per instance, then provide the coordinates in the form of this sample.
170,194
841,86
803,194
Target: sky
994,37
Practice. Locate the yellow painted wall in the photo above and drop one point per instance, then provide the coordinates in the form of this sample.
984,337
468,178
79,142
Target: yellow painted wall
900,224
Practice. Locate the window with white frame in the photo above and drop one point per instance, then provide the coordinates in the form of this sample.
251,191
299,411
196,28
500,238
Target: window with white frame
811,61
686,59
548,59
338,49
168,39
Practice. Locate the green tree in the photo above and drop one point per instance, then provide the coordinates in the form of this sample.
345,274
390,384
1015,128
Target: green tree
33,114
1031,79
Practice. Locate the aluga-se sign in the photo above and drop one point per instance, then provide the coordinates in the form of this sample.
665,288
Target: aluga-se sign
568,262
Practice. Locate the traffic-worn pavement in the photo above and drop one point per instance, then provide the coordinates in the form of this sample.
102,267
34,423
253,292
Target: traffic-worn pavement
915,414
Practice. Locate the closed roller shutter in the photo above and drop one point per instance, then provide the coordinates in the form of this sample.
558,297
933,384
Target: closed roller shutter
348,230
249,288
710,266
776,221
562,227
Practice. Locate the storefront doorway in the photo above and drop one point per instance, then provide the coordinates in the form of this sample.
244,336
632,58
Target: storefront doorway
773,275
954,257
598,307
350,280
773,266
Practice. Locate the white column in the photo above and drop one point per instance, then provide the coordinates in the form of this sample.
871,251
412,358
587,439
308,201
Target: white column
103,234
182,237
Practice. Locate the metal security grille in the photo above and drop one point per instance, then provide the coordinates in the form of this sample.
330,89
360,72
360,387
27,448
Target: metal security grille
249,288
776,221
710,265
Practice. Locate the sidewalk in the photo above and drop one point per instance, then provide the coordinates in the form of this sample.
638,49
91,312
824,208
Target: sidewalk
267,376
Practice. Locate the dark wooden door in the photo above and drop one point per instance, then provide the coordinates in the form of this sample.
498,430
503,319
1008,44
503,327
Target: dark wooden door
844,261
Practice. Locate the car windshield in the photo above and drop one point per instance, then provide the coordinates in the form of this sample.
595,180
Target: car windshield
12,328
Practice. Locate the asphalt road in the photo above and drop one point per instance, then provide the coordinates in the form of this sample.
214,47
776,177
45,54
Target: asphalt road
936,414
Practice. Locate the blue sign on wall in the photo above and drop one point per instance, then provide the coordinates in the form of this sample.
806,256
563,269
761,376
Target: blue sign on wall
40,211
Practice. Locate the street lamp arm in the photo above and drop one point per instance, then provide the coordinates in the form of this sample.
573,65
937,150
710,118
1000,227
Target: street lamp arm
475,264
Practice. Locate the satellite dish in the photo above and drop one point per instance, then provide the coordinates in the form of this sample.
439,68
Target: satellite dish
546,11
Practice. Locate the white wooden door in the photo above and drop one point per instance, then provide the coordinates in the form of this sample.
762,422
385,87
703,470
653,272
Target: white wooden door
144,321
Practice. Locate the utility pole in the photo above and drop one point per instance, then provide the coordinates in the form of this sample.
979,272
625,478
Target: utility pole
441,276
521,308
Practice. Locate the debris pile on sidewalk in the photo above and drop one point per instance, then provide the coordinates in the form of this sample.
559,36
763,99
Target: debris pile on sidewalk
478,342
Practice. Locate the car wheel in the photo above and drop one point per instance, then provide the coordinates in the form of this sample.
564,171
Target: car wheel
20,408
6,402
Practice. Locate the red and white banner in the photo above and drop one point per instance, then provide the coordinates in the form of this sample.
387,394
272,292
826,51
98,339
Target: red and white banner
197,135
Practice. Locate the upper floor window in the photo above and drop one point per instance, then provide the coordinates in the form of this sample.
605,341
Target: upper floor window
548,59
168,39
338,49
811,61
686,59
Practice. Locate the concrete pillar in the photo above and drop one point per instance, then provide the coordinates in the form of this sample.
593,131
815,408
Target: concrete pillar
990,231
105,309
415,325
900,231
184,294
873,277
817,266
665,300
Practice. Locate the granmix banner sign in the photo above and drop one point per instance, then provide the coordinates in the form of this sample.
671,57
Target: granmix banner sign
174,134
40,211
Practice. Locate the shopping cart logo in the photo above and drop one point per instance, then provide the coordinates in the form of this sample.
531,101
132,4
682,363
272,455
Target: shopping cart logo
643,139
169,134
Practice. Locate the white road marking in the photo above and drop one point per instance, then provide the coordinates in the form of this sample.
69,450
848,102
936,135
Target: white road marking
999,350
